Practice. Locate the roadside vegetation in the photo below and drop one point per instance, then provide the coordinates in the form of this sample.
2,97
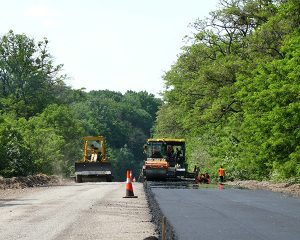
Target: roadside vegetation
233,92
42,120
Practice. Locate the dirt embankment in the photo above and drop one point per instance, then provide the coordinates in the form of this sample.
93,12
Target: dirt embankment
287,188
29,181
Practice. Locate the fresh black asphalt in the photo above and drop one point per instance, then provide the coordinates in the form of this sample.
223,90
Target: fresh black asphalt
220,212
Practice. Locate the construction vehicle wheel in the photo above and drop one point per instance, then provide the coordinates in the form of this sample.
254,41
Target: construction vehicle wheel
108,178
78,179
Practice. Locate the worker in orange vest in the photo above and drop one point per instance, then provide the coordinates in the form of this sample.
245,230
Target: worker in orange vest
221,172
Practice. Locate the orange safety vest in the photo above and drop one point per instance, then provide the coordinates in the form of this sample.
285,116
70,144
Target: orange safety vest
221,172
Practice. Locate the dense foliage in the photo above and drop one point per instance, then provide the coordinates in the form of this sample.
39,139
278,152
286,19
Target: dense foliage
234,91
42,121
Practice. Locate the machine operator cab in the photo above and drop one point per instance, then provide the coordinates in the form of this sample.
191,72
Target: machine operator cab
94,149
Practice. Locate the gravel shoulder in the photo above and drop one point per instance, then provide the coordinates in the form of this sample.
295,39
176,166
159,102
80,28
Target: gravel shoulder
75,211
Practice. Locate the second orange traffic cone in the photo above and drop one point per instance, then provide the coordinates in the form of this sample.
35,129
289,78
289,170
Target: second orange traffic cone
129,189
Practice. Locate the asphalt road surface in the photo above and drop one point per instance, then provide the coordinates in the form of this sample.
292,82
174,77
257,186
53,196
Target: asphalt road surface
76,211
226,213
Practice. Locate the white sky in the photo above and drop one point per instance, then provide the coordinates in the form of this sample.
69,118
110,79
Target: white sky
108,44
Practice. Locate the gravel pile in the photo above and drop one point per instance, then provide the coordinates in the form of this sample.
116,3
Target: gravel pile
29,181
157,215
287,188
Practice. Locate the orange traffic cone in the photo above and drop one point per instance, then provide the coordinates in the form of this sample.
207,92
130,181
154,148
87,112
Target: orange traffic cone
129,190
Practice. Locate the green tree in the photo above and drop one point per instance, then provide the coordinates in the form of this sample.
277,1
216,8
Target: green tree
271,104
28,76
65,135
122,160
209,87
15,155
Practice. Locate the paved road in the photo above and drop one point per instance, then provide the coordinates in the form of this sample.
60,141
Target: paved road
76,211
231,214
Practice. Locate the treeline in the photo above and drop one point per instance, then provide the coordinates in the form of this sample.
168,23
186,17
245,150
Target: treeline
42,120
234,91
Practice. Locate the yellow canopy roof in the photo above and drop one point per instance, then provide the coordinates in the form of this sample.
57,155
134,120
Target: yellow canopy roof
166,140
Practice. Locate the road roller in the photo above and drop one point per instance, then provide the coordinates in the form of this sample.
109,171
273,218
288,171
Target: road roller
165,159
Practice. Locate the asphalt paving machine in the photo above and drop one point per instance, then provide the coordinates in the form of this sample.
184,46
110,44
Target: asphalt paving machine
165,159
95,165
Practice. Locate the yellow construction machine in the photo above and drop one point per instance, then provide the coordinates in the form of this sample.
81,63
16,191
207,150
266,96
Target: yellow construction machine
95,165
165,158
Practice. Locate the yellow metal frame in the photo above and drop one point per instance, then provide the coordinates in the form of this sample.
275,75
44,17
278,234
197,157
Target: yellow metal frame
93,138
166,140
